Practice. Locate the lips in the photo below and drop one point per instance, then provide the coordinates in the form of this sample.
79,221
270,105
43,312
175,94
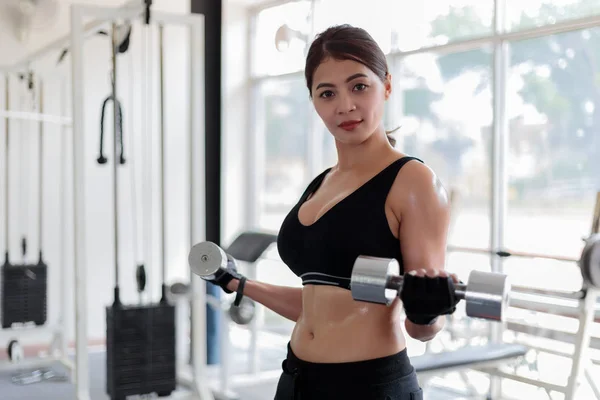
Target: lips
350,125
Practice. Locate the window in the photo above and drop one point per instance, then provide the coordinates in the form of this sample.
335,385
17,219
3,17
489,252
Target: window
372,18
531,13
553,108
283,111
445,108
431,22
266,58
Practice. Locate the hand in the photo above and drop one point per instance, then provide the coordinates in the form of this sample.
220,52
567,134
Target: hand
427,294
224,276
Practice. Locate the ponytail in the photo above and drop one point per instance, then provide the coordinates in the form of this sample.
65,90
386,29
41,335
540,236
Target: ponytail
391,139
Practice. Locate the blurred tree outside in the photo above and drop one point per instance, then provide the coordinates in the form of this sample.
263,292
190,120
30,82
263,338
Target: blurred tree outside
560,78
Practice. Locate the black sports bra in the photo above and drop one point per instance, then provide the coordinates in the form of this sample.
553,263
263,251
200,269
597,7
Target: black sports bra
324,252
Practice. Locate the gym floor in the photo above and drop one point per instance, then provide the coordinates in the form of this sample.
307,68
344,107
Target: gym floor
272,351
65,391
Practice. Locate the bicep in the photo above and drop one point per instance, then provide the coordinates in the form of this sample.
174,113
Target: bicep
424,221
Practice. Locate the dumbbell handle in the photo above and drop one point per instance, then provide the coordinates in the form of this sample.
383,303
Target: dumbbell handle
395,282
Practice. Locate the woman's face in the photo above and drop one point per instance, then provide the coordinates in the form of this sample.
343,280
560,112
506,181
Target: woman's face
349,98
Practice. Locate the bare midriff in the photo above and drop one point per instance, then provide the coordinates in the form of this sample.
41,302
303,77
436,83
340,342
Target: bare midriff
334,328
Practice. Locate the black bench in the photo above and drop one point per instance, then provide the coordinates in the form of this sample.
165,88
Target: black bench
469,357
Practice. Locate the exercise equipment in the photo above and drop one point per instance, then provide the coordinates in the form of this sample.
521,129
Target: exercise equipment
248,247
116,104
590,261
243,313
590,271
33,369
580,306
24,286
85,20
16,354
27,100
378,280
14,351
486,294
205,260
141,356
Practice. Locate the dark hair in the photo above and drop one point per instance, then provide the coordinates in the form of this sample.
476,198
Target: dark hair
346,42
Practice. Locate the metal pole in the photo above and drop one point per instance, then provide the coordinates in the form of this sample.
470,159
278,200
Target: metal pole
115,162
63,226
40,169
255,325
250,205
6,165
582,343
499,148
161,105
79,246
32,116
147,140
224,353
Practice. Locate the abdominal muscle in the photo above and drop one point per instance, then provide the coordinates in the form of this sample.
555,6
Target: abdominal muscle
334,328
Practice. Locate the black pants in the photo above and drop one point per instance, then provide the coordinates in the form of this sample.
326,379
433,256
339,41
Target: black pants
386,378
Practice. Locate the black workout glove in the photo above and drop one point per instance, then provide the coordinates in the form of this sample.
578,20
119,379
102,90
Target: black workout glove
427,298
226,275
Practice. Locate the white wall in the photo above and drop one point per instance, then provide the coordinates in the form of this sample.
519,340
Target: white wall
98,189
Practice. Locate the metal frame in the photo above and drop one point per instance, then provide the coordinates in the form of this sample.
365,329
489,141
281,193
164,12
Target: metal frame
191,376
58,330
580,369
194,377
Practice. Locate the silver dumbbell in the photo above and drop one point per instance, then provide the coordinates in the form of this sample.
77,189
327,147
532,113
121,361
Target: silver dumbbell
205,259
378,280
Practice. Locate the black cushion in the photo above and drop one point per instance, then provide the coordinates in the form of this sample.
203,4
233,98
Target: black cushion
466,356
249,246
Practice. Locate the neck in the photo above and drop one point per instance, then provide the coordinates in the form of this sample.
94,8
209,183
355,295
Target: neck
365,154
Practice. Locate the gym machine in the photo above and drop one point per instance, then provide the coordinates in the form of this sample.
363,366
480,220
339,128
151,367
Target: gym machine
193,378
25,286
140,339
581,305
207,257
86,21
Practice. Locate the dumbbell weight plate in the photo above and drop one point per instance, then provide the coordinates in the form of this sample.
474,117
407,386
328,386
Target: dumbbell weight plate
206,258
590,261
487,295
369,281
244,313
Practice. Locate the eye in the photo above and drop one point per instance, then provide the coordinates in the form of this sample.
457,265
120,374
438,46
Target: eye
326,93
360,87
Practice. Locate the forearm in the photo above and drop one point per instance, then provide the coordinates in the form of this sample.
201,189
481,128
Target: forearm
424,333
284,300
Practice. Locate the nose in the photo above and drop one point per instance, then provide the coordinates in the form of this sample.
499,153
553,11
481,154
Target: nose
346,104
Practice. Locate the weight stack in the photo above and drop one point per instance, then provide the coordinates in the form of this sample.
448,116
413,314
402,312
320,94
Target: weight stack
140,350
24,293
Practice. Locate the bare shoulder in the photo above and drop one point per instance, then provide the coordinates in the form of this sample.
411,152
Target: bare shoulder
421,204
417,186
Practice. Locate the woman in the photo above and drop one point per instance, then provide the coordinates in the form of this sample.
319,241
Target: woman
375,201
